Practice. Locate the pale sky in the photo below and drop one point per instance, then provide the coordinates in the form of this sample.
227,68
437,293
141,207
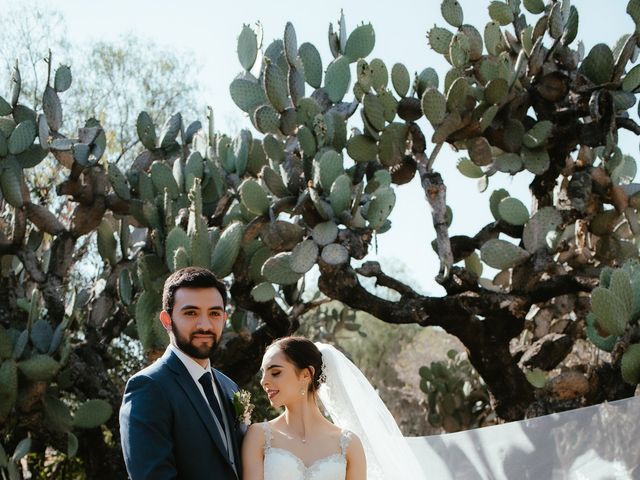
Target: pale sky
209,30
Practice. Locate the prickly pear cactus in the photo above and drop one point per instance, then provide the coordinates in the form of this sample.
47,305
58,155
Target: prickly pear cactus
457,398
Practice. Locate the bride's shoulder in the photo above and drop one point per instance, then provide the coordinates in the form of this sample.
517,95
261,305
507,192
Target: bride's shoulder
351,443
256,433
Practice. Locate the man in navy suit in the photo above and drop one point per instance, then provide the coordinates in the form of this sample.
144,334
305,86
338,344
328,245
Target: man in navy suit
177,419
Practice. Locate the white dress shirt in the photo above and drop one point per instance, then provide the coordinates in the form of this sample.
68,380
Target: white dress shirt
196,371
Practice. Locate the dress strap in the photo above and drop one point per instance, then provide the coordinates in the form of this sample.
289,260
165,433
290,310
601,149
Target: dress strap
268,435
345,439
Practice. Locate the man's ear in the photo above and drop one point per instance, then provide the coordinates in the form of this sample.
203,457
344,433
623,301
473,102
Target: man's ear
165,319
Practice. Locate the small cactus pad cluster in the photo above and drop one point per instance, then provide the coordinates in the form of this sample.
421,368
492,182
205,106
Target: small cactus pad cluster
615,307
456,395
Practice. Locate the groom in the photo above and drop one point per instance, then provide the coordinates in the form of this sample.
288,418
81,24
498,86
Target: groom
177,417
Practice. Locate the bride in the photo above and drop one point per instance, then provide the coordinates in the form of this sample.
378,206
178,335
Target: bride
301,444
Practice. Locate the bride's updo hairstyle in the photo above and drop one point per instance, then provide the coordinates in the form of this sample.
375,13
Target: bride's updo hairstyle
303,354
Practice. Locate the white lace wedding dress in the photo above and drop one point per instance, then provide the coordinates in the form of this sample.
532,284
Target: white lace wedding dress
281,464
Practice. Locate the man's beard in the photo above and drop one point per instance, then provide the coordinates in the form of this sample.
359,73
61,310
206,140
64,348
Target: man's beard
184,343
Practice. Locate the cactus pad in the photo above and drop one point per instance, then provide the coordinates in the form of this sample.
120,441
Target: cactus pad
598,65
502,255
227,249
247,47
609,311
337,79
39,368
335,254
360,42
312,64
452,12
303,256
513,211
263,292
277,269
92,414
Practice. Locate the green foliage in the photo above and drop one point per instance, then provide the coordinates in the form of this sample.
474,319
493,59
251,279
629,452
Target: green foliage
457,398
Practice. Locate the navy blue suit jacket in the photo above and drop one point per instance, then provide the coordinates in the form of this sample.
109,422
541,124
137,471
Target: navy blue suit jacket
166,427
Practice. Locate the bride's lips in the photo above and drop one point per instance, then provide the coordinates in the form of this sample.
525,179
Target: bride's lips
272,393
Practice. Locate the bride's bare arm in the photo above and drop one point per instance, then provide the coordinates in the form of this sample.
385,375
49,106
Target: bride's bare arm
356,461
253,453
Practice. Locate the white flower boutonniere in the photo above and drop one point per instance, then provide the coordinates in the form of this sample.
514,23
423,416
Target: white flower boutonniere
243,407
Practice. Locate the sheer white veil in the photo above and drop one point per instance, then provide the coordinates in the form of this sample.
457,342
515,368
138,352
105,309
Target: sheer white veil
353,404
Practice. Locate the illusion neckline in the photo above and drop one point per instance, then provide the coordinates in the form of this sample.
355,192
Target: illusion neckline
301,462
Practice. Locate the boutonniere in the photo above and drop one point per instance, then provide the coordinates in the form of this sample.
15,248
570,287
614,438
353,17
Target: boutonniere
243,406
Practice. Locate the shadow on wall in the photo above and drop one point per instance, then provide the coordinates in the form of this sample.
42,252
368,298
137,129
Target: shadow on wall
592,443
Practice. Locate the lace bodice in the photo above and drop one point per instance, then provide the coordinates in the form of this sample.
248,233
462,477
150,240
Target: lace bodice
281,464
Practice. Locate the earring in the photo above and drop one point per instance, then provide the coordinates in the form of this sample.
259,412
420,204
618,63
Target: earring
302,391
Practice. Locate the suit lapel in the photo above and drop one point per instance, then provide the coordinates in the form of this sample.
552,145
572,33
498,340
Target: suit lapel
191,390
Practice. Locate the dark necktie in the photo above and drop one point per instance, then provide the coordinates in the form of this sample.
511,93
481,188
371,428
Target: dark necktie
206,382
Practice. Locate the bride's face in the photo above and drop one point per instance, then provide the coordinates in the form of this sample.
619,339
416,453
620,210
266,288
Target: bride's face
282,380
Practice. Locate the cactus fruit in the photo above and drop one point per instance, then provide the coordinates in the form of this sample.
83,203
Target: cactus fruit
303,257
513,211
502,255
263,292
337,79
92,414
277,269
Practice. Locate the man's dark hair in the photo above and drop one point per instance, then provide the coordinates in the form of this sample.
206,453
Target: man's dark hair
190,277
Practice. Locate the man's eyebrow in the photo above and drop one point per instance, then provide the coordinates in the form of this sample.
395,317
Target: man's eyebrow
195,307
